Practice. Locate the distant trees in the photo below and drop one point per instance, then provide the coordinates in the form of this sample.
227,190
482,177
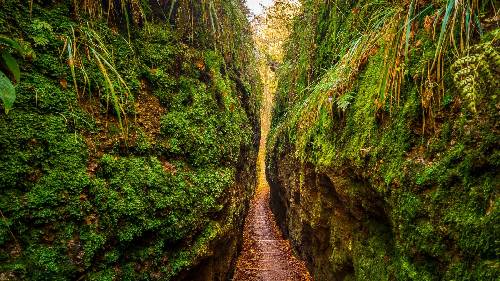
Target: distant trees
272,29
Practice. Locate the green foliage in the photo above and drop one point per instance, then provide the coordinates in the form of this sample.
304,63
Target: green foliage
43,33
84,200
6,41
7,90
474,73
202,131
11,65
371,253
98,54
366,93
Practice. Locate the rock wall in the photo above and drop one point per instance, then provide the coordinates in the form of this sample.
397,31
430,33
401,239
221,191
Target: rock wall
130,151
383,165
323,219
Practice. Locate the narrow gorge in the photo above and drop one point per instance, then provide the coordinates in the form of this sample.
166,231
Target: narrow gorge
245,140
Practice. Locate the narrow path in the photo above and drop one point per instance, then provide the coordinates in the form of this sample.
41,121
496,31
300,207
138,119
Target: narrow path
266,255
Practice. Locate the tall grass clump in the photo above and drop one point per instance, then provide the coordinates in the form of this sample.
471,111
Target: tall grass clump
397,30
89,48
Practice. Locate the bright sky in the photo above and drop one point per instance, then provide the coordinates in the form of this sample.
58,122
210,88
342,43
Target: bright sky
255,5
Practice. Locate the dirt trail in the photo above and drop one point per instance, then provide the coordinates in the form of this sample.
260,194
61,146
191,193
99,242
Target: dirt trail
266,255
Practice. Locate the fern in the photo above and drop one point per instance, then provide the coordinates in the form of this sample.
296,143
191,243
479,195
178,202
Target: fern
42,32
344,101
474,72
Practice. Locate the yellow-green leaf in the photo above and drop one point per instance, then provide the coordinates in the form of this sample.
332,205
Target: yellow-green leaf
7,92
11,64
11,43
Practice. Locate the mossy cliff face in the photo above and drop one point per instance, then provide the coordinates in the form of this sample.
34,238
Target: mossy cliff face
383,154
130,151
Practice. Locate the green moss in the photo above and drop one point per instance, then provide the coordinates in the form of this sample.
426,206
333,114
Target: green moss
45,261
198,129
430,165
83,199
372,254
200,246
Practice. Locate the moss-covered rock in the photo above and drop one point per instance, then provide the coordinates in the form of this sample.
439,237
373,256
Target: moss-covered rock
398,166
130,152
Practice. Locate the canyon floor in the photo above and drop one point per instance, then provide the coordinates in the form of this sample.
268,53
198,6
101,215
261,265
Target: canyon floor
266,255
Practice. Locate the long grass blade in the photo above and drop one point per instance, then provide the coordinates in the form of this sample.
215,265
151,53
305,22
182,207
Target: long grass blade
444,26
408,28
110,87
172,4
71,60
115,72
467,28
